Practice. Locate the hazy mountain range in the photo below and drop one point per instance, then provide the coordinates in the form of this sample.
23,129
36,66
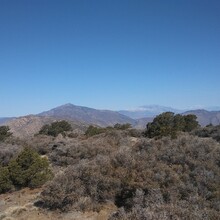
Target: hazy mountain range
148,111
80,117
5,120
205,117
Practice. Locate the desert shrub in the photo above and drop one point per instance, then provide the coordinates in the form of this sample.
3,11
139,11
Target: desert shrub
154,179
162,125
165,212
7,152
29,169
169,124
70,153
185,182
135,133
55,128
46,146
42,144
122,126
5,181
92,130
100,180
85,181
190,122
4,132
209,131
73,135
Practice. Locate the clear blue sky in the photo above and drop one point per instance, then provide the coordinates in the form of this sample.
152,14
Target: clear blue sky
108,54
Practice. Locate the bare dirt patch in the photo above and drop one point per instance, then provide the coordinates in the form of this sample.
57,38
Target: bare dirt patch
19,205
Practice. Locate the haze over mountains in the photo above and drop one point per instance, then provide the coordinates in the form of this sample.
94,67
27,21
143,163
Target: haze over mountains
5,119
205,117
148,111
80,117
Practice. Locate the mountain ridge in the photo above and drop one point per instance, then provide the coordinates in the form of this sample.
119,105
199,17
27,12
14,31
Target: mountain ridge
109,118
81,117
88,115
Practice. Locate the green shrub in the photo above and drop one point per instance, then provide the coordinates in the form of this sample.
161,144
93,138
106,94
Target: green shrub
190,123
5,182
16,174
4,132
58,127
122,126
92,130
29,169
162,125
169,124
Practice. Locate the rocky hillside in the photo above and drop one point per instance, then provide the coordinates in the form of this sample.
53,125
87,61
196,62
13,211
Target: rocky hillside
27,126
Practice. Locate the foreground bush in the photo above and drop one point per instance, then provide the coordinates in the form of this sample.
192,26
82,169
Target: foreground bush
55,128
155,179
84,187
5,181
28,169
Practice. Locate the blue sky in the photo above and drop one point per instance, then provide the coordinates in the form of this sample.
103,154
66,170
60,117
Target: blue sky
108,54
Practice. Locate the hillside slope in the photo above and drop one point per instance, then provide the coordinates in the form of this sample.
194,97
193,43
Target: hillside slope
27,126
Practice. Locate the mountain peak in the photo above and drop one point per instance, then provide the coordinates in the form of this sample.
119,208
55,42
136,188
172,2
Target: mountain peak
66,105
87,115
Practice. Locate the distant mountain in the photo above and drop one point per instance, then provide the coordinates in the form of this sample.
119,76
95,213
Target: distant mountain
145,114
147,111
88,115
80,117
205,117
5,120
213,108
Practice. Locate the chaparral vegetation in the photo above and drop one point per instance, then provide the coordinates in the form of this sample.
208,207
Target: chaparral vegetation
171,170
